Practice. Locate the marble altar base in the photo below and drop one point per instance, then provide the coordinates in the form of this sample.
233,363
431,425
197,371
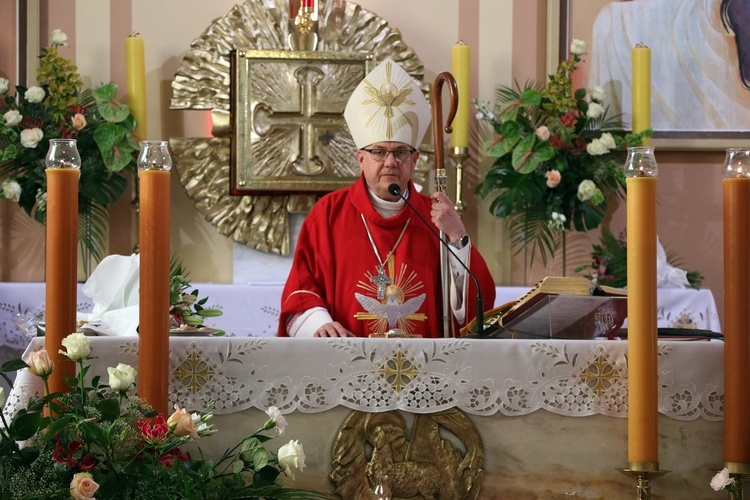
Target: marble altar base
536,456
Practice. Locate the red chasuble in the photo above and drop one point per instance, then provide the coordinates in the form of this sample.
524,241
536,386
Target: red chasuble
336,267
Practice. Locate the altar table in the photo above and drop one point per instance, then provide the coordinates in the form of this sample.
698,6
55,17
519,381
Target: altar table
519,394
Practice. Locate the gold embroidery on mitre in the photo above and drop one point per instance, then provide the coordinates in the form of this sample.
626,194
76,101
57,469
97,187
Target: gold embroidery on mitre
398,309
386,98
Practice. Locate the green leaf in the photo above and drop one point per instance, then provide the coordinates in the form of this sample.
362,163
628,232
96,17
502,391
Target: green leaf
110,409
25,424
108,106
260,458
530,153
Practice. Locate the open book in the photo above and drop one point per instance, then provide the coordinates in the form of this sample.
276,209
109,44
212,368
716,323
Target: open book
559,307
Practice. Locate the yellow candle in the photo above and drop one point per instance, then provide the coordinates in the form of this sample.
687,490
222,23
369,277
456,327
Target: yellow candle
642,334
460,70
153,349
136,81
736,320
61,270
641,92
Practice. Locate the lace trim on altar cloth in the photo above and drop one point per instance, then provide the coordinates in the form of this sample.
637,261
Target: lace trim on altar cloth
481,377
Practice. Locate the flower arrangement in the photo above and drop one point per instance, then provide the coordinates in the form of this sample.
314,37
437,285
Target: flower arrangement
98,440
609,261
558,157
104,130
186,310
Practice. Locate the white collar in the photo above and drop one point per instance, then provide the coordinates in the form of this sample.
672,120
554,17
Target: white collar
387,208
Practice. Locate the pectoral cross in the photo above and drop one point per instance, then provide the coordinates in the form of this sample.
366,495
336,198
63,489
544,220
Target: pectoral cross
382,281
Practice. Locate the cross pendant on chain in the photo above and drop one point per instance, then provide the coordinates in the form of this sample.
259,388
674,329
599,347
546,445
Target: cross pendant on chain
382,281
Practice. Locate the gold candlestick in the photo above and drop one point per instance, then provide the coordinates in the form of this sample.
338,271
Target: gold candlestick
643,472
461,157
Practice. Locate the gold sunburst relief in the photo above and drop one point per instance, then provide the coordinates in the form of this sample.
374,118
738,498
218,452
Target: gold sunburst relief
202,82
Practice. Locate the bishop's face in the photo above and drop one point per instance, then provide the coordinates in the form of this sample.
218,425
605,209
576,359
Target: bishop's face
396,167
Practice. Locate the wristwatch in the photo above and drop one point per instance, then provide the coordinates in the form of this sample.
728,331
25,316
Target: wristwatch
462,242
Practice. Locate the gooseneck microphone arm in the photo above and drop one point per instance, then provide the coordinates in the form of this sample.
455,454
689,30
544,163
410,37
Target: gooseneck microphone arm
395,190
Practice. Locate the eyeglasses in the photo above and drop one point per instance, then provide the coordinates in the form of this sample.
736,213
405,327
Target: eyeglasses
381,154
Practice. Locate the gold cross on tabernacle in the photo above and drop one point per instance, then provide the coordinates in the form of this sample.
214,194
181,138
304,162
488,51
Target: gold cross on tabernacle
307,119
382,281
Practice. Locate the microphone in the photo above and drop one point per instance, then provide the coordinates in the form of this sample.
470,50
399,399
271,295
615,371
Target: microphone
395,190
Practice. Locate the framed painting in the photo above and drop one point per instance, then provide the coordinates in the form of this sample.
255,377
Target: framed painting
700,63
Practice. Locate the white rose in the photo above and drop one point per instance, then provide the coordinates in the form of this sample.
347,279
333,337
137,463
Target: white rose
721,480
4,85
598,94
121,377
13,117
595,110
78,346
596,148
30,137
543,133
34,94
608,141
59,37
586,190
291,456
577,47
11,190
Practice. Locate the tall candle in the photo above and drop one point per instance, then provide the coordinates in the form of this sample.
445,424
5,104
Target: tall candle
641,91
736,185
136,81
643,410
61,258
153,351
461,63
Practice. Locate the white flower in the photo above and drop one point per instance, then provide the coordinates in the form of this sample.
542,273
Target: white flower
577,47
608,141
30,137
4,85
596,148
598,94
278,419
78,346
291,456
595,110
586,190
13,117
11,190
121,377
558,216
34,94
721,480
59,37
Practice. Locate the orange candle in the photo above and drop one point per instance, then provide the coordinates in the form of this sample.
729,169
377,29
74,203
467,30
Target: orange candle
153,351
135,66
63,173
641,91
736,310
643,407
460,68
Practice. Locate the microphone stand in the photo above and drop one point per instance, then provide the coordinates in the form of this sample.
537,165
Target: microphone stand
395,190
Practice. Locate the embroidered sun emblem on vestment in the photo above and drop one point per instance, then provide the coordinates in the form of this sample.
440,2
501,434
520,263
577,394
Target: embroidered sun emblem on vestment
387,98
398,308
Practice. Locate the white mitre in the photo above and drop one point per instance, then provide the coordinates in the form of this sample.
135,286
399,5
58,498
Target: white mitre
387,106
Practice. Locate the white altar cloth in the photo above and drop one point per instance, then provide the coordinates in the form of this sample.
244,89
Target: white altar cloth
480,377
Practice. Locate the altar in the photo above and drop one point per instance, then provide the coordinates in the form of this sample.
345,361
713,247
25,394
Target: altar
550,413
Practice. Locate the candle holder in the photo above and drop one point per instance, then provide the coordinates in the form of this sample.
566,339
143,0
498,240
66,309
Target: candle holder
461,156
643,472
302,35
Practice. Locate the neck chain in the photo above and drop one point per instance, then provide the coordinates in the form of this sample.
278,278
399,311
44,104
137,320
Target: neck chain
381,279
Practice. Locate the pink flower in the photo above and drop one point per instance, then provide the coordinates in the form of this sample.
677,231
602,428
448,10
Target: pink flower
543,133
553,178
40,363
278,419
83,486
78,121
182,423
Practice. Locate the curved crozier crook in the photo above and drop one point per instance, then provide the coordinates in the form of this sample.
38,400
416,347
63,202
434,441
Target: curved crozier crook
437,113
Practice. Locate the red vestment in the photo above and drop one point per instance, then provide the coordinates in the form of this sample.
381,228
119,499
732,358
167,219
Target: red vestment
334,263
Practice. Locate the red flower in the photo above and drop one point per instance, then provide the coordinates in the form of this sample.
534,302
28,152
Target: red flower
568,119
556,142
153,433
169,457
65,456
